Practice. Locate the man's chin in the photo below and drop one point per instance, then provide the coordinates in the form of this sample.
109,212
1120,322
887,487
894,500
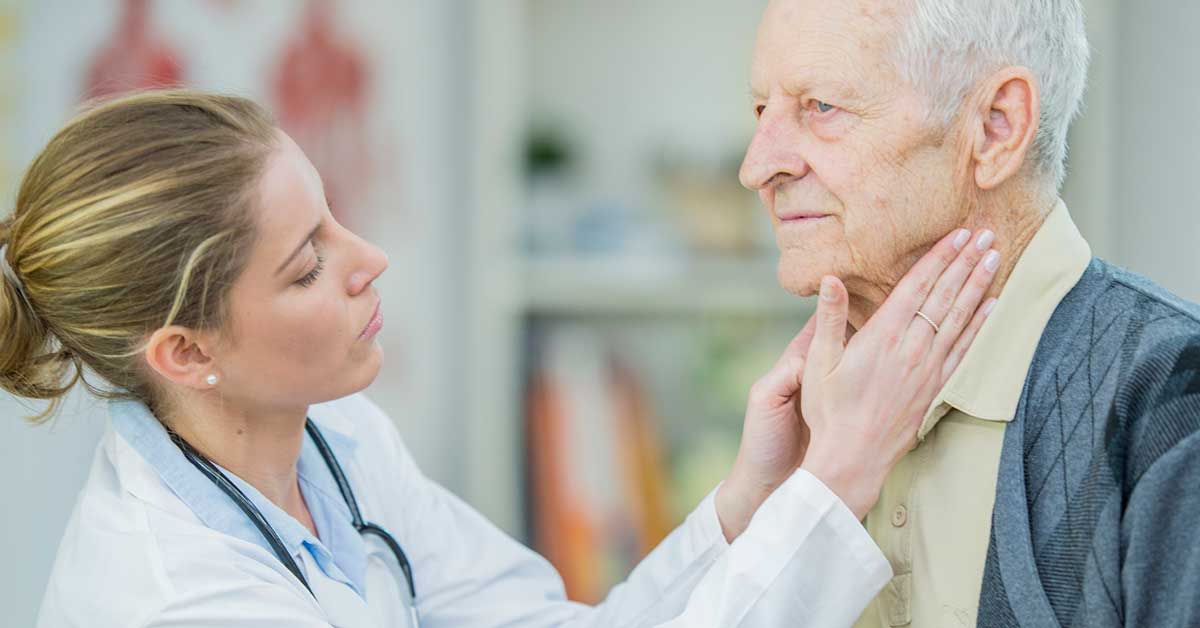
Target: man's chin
802,281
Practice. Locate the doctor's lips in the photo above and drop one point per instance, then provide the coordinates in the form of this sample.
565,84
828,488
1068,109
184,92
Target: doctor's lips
376,322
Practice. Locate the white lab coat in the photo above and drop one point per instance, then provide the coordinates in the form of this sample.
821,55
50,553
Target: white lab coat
135,555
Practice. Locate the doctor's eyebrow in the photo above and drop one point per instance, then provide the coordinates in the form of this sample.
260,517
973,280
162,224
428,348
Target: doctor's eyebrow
311,234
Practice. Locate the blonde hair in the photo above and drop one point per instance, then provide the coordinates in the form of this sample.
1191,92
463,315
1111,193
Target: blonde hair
134,217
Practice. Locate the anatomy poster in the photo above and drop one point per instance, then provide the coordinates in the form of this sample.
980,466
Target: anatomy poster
133,56
347,79
320,88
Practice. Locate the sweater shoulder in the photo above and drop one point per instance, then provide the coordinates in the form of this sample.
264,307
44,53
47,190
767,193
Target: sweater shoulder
1157,402
1139,347
1114,308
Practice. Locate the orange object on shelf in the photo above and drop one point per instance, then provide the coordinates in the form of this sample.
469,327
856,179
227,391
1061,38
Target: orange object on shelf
642,462
564,533
596,470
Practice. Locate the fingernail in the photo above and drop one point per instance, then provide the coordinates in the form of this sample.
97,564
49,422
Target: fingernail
960,240
989,306
992,261
985,240
827,291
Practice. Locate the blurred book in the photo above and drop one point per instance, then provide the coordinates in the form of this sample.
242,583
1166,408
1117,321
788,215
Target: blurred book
597,481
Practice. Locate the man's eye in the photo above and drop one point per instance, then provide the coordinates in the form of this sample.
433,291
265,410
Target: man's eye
823,107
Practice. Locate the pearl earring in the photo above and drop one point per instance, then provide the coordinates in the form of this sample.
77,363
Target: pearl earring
211,379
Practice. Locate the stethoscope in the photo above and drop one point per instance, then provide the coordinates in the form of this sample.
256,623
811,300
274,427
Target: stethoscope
256,517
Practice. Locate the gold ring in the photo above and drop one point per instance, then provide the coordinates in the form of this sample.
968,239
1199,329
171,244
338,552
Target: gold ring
936,329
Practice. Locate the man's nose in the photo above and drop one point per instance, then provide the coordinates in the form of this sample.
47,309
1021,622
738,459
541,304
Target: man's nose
774,154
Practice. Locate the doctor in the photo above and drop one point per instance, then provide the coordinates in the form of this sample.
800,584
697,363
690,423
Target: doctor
174,252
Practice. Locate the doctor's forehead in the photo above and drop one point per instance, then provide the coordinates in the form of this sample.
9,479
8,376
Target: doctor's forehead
847,41
290,192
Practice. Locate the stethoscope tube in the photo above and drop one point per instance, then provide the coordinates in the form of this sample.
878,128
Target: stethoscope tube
363,527
214,474
256,517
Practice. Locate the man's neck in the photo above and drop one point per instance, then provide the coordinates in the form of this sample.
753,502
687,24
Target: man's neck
261,447
1014,223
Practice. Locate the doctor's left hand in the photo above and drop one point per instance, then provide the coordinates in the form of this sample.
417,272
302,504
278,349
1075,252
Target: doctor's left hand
774,438
863,410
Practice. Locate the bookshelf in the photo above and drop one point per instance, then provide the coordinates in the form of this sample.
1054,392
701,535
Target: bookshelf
660,298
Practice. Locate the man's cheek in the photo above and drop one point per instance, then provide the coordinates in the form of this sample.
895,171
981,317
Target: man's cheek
849,168
766,196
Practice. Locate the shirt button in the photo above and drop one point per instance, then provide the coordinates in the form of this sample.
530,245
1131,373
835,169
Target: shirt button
900,516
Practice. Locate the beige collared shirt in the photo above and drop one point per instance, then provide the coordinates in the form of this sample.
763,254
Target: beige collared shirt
933,518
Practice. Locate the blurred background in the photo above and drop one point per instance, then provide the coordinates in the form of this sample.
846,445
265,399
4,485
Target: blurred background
580,293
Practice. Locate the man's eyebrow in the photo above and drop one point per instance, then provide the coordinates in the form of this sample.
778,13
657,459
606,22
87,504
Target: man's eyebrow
841,89
311,234
846,90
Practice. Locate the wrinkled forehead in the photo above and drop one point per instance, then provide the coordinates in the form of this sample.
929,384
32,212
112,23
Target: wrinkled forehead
843,42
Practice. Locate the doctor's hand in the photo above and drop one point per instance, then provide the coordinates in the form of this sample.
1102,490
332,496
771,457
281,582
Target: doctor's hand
864,400
847,455
774,438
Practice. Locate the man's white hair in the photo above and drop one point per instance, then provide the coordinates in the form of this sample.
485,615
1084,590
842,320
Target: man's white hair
948,46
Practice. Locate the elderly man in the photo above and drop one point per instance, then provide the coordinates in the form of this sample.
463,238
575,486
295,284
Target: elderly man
1055,482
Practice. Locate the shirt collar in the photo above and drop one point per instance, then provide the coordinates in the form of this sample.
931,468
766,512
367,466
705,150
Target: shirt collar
988,382
342,555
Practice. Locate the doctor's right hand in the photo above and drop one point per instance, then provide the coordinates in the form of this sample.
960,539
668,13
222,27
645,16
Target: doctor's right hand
848,411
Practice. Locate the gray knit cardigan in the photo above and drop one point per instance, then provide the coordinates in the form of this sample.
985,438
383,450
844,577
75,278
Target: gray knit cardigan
1097,516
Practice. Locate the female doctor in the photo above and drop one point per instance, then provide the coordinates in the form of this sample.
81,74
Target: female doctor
174,252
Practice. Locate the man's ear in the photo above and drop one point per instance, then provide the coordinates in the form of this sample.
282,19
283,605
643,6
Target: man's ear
1005,126
178,354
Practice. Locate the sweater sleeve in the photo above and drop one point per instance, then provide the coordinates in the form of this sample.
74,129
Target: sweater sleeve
1160,535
